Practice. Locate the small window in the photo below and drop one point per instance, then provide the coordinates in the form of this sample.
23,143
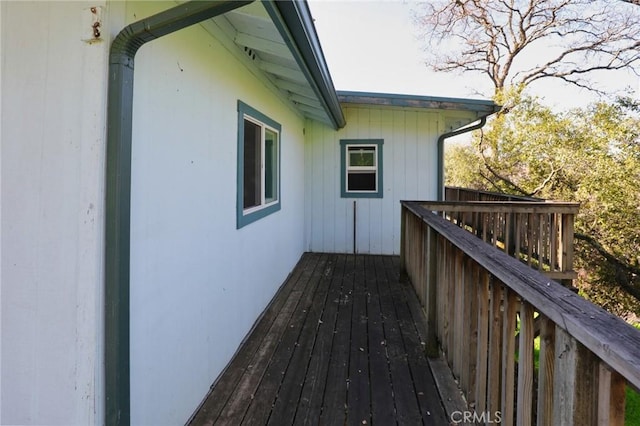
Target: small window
361,168
258,165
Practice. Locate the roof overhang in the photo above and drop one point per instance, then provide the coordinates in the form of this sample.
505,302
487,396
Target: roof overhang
278,41
481,107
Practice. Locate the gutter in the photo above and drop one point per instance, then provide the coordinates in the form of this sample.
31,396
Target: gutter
295,23
118,188
441,138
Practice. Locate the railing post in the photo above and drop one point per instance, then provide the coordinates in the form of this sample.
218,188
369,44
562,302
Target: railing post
574,388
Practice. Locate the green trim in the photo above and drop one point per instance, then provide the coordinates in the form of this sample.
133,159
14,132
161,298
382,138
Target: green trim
243,219
415,101
118,190
343,168
294,22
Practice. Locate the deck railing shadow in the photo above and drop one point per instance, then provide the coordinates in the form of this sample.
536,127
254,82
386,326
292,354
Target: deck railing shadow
483,298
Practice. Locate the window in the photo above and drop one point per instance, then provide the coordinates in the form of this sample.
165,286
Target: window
258,165
361,168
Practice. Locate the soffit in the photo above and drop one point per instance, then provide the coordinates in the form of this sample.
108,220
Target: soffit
257,38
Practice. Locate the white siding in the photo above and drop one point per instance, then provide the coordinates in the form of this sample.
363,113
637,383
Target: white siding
198,283
409,173
52,173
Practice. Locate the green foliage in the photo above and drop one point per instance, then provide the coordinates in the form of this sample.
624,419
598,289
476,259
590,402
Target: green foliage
632,408
589,155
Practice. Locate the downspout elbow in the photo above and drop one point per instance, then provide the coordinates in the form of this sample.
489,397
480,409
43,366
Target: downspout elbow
440,183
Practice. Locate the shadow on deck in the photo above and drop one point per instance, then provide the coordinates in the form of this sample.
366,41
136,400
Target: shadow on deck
341,343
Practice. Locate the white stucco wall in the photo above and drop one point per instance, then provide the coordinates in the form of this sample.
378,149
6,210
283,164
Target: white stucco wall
198,283
409,173
52,173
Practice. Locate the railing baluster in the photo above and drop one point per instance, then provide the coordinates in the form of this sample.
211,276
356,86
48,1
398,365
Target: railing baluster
611,397
431,296
525,365
508,356
482,351
574,387
495,347
546,372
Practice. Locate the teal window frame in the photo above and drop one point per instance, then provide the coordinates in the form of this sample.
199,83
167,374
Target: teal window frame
245,216
344,147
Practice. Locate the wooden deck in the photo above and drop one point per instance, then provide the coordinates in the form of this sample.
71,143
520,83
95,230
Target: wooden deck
341,343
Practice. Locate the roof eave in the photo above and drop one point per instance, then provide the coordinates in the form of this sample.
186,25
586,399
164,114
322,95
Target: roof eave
481,107
294,21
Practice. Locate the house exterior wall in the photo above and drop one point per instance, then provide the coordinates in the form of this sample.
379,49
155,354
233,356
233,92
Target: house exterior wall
409,173
197,283
52,216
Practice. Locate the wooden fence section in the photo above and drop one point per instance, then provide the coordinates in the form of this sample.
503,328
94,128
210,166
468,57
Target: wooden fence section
481,305
539,234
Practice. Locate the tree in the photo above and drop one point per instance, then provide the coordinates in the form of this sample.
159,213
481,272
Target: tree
590,155
518,42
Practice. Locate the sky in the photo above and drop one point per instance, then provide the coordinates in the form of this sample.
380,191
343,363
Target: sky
373,46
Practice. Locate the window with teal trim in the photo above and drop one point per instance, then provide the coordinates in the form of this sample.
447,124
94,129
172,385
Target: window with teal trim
258,165
361,168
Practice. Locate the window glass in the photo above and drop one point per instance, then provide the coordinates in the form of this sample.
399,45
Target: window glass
271,166
252,164
362,156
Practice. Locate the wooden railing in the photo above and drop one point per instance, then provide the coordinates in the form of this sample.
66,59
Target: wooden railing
539,234
481,306
454,193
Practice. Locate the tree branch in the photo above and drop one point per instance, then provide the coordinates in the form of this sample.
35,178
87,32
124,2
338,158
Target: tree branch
618,264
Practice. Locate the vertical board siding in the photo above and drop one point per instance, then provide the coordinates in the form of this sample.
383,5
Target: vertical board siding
409,156
197,283
52,174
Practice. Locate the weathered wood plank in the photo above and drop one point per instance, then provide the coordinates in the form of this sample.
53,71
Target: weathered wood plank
498,206
335,395
358,399
406,405
508,357
310,405
382,402
413,330
574,389
310,311
546,372
525,366
264,396
494,379
611,397
482,348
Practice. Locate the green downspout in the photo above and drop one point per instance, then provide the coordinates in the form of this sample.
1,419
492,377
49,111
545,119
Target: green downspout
118,188
440,188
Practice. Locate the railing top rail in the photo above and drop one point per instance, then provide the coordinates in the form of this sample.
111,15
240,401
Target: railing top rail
607,336
493,194
502,206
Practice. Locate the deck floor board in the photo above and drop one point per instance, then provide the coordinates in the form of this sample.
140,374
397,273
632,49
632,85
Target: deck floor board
340,344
